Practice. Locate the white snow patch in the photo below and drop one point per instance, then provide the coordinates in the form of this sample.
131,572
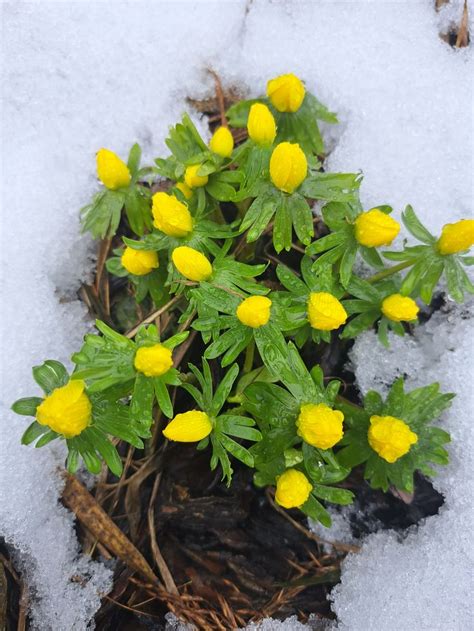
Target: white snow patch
79,76
424,581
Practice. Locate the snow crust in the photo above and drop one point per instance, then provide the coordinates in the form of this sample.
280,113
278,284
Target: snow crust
79,76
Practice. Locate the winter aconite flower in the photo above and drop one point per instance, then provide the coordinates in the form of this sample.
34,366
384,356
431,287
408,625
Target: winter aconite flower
261,125
456,237
184,188
325,312
191,263
222,142
319,425
288,166
254,311
390,437
171,216
375,228
191,177
400,308
153,361
292,489
188,427
67,410
139,262
286,92
111,170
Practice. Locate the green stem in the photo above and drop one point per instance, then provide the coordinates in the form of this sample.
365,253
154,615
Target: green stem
388,272
249,355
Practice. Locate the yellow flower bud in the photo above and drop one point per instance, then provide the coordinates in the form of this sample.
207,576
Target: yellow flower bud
400,308
191,263
390,437
254,311
171,216
261,125
67,410
222,142
184,188
319,425
325,312
286,92
456,237
288,166
139,262
188,427
153,361
192,179
111,170
374,228
292,489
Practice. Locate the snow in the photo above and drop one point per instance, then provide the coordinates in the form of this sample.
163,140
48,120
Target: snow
424,581
79,76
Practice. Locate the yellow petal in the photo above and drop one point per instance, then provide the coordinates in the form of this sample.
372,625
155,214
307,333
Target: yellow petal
188,427
293,489
111,170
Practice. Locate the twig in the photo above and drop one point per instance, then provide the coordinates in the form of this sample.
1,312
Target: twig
220,97
159,560
153,315
337,545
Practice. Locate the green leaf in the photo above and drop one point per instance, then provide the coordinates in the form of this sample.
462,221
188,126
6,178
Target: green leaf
50,375
326,243
334,495
102,217
347,263
302,218
360,323
336,187
417,229
138,211
106,450
163,397
314,509
223,390
46,438
33,432
373,402
141,405
134,158
290,280
282,226
27,406
236,450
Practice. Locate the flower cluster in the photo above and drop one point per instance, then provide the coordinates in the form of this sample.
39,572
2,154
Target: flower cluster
197,240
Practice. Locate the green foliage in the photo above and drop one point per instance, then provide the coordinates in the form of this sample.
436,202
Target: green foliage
254,397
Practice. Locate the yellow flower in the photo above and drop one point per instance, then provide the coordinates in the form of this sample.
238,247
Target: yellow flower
325,312
288,166
191,263
171,216
374,228
111,170
400,308
188,427
184,188
286,92
390,437
456,237
292,489
139,262
261,125
153,361
254,311
319,425
222,142
192,179
67,410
